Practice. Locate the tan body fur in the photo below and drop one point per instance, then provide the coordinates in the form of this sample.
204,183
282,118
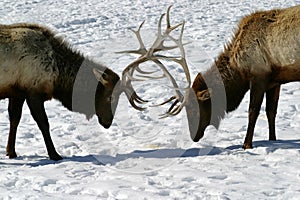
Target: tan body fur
26,61
266,40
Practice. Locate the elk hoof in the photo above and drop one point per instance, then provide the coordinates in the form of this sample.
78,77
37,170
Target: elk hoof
272,138
247,146
11,155
55,157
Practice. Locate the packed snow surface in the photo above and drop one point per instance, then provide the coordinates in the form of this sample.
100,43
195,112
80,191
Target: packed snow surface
141,156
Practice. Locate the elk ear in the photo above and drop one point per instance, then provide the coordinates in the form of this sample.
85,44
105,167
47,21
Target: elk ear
204,94
101,76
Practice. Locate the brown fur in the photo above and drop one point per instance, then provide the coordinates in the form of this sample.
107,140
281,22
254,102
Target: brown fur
36,65
263,54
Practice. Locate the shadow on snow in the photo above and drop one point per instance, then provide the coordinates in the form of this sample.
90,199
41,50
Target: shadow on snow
271,146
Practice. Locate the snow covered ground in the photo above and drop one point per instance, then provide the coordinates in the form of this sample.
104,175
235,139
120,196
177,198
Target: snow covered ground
140,156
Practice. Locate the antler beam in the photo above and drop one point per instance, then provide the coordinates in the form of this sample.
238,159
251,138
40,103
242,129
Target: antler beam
152,55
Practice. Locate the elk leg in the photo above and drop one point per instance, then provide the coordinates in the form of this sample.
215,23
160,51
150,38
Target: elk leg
37,109
15,106
272,97
256,98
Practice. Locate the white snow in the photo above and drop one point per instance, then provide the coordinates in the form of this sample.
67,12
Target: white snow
141,156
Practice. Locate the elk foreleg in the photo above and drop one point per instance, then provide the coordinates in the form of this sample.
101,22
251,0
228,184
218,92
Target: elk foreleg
272,96
15,106
257,90
37,109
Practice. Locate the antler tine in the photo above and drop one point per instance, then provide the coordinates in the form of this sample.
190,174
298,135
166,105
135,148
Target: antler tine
159,39
131,78
127,77
151,77
131,67
174,110
181,61
133,97
167,101
138,69
168,17
169,27
142,49
158,44
178,95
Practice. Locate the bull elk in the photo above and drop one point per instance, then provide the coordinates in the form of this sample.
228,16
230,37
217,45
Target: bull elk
263,54
37,65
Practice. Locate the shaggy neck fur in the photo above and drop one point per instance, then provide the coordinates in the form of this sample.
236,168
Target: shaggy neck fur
76,85
227,84
235,84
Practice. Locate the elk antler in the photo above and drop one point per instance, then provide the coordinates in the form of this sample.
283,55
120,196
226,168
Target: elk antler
151,55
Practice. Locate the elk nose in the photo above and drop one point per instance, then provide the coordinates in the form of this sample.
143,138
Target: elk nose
197,136
105,123
196,139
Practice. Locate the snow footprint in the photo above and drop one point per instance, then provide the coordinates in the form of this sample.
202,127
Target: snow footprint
218,177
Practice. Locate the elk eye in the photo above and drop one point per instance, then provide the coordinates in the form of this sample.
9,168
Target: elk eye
111,99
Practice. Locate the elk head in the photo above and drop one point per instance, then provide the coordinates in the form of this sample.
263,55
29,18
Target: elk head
107,95
108,91
198,108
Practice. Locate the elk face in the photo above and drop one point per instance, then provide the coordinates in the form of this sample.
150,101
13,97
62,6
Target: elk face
198,110
107,96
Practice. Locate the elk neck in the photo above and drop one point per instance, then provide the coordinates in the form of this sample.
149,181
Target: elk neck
76,84
228,84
